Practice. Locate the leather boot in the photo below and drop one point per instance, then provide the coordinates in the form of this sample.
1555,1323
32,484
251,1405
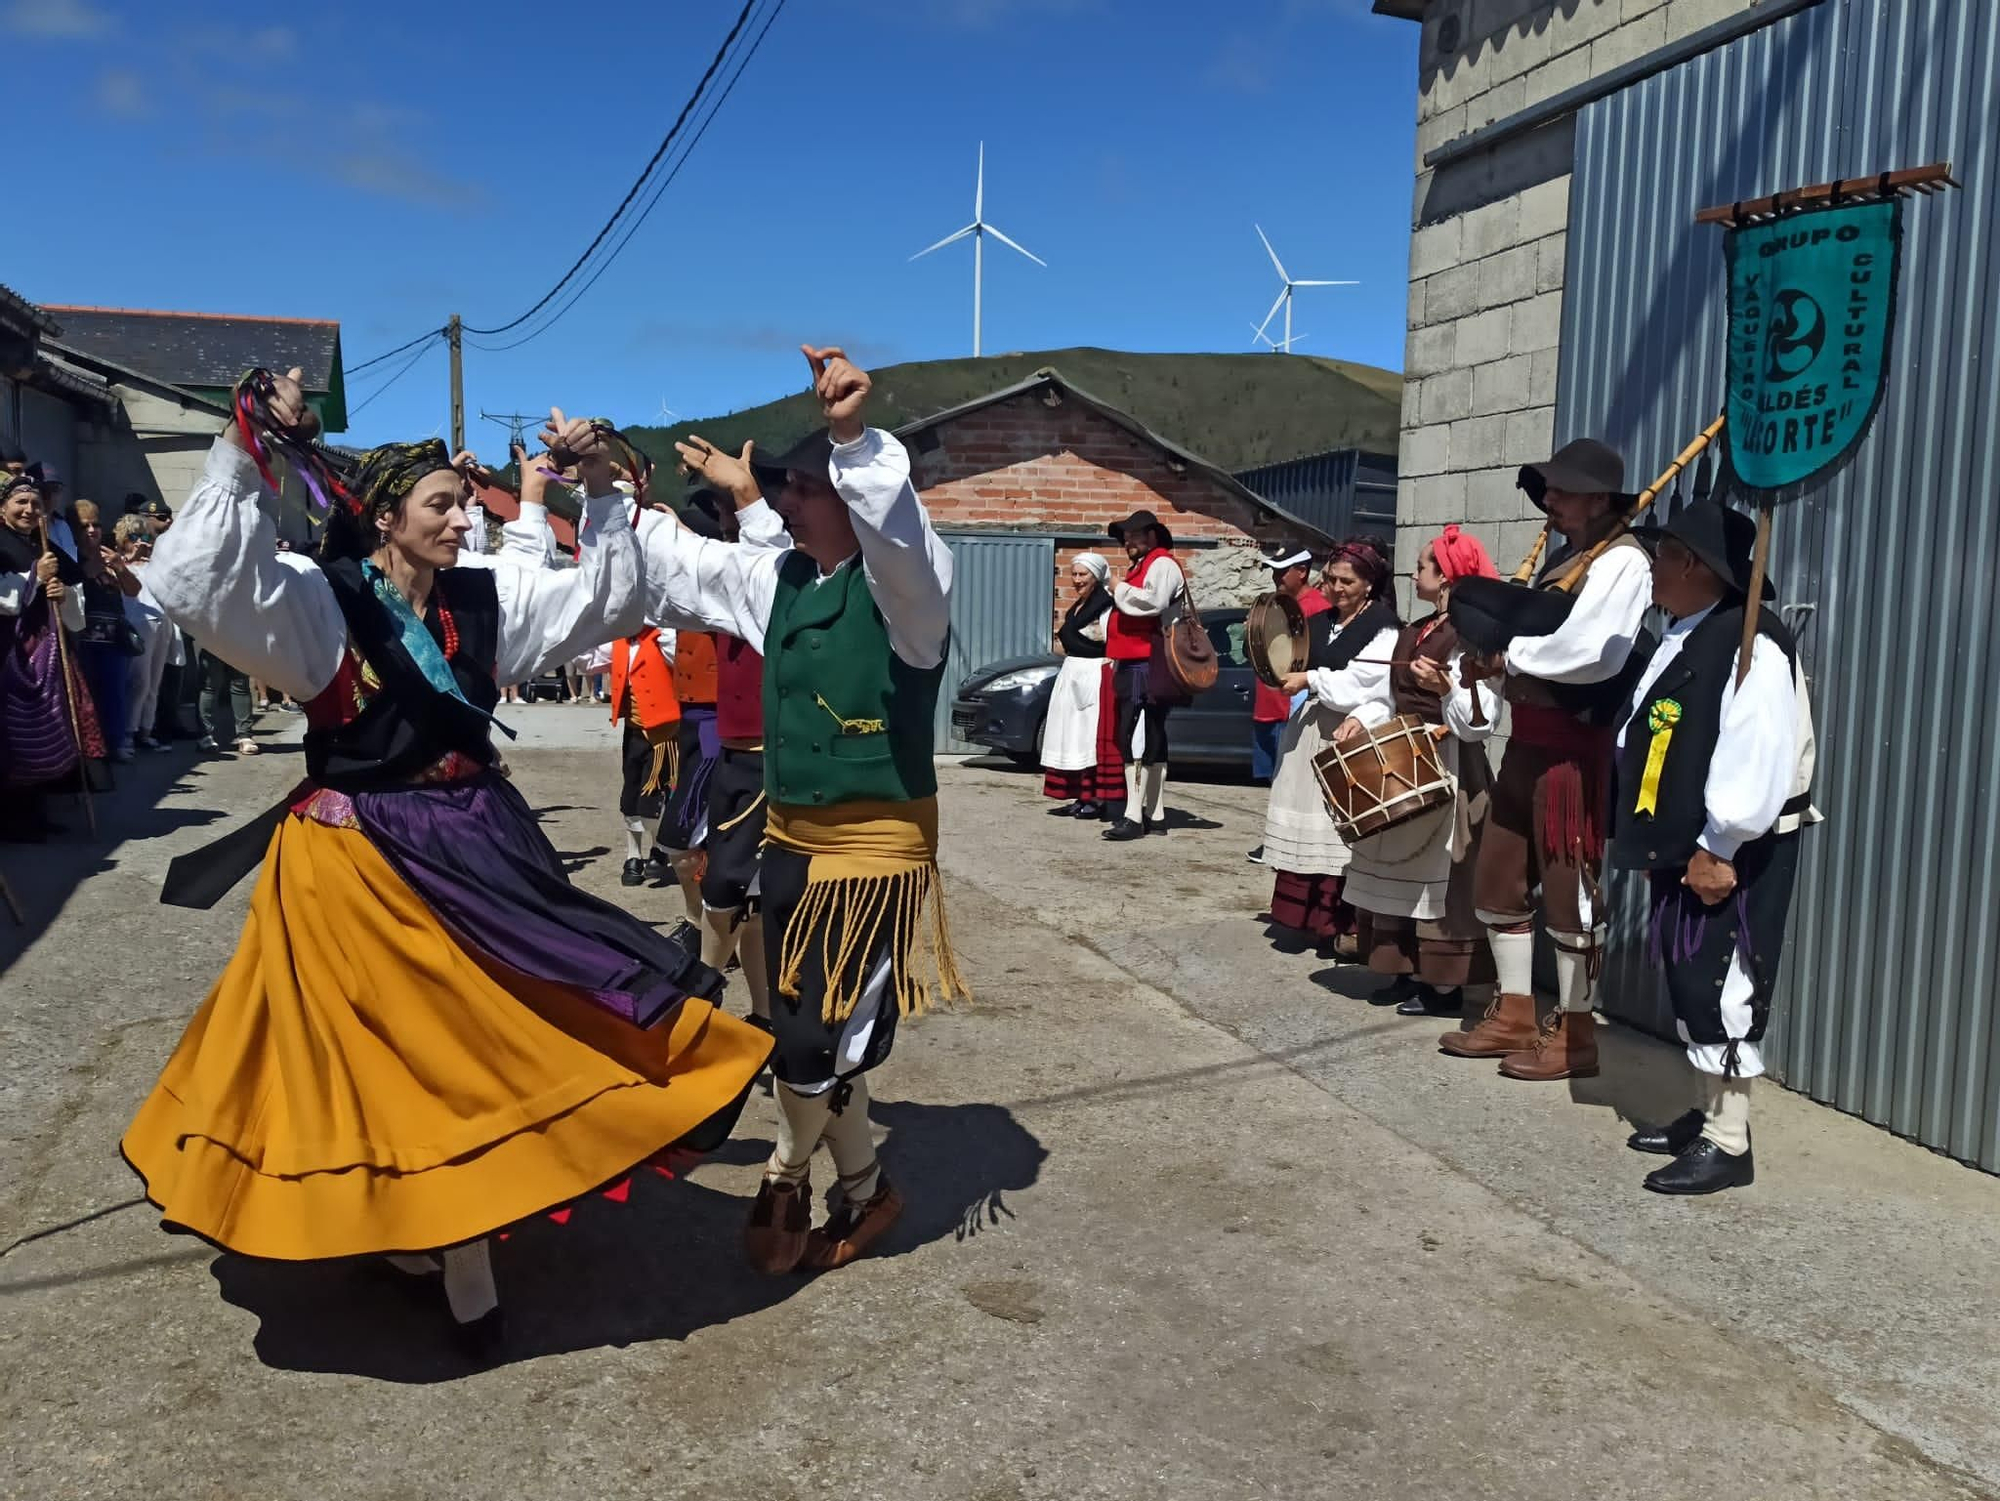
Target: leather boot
1507,1027
1565,1049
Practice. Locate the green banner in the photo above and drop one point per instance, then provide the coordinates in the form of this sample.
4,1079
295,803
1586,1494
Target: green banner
1812,305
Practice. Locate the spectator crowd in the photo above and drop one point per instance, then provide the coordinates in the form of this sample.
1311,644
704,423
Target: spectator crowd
92,674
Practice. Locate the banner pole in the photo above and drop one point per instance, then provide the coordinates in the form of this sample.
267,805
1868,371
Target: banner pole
1753,606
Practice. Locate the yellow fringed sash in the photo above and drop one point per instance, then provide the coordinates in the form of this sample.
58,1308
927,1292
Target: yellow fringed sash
872,864
665,741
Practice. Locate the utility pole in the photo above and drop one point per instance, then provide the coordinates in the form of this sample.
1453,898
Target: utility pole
453,332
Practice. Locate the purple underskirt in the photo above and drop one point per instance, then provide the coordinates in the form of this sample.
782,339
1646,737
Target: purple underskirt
474,853
36,741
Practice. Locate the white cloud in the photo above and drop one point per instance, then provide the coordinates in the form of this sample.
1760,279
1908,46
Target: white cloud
65,20
122,93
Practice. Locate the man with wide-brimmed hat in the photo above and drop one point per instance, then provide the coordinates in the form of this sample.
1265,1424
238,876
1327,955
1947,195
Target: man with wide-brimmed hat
1145,603
1707,768
1544,830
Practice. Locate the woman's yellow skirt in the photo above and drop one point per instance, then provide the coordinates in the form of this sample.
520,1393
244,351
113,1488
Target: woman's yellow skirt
358,1082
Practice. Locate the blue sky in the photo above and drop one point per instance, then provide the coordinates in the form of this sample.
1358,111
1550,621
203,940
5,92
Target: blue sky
387,165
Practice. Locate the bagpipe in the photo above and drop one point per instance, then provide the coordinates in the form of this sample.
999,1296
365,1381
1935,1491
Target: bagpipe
1489,613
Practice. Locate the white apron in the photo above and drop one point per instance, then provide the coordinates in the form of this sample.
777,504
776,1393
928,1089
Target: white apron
1069,734
1299,835
1406,871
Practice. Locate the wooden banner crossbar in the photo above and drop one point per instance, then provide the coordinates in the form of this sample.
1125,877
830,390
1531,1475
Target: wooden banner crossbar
1932,179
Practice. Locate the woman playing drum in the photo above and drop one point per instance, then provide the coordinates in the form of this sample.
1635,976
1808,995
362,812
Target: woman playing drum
1412,884
1346,666
1080,754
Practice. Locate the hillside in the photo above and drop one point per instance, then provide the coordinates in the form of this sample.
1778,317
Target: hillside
1235,410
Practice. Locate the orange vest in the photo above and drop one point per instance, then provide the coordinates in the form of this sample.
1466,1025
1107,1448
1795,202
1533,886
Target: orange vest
645,671
694,667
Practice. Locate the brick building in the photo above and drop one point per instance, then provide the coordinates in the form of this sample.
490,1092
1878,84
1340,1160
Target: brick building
1045,459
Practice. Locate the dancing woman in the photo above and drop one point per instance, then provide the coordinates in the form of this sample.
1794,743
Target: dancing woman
426,1033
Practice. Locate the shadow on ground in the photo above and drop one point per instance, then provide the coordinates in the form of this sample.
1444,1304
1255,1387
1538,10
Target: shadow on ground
661,1265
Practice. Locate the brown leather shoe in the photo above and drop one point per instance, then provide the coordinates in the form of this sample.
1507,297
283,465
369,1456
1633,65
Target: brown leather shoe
1507,1027
852,1230
1566,1049
780,1218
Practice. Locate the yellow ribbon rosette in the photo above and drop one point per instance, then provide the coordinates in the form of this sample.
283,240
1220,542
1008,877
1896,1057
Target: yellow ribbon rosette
1660,720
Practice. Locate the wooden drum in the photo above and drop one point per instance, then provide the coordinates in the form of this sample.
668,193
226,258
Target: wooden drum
1385,778
1274,634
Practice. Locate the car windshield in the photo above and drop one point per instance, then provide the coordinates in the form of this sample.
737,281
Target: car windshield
1226,632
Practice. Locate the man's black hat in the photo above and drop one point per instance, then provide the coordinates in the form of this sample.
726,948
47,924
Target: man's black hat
1139,519
1584,467
812,454
1722,537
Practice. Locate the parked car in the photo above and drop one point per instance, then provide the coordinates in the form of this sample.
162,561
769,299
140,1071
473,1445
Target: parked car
1002,705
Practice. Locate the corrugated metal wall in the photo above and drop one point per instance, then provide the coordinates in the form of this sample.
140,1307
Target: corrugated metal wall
1000,593
48,434
1341,493
1889,993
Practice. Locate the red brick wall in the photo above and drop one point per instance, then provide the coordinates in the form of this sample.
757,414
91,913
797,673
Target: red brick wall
1021,464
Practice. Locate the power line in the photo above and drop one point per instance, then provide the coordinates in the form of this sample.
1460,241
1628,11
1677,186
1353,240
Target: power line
658,192
348,372
407,366
633,192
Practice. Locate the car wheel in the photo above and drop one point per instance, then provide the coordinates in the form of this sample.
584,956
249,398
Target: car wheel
1031,758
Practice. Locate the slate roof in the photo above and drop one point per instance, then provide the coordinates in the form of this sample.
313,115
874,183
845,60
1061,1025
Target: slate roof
204,349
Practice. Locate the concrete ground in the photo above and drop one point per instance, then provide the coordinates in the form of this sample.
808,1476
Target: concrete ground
1188,1219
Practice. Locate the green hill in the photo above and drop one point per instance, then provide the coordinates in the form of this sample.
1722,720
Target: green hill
1235,410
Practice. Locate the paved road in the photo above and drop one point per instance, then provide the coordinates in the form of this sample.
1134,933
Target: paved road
1188,1221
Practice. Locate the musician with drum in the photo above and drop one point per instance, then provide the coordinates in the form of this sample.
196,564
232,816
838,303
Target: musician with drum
1411,882
1291,577
1564,664
1346,666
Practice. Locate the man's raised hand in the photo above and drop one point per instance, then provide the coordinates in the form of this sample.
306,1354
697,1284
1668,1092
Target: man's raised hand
842,387
728,473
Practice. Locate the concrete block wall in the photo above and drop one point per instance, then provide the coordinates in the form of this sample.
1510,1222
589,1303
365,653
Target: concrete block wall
1486,281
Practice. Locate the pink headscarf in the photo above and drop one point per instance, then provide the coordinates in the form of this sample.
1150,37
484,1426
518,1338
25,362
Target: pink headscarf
1459,556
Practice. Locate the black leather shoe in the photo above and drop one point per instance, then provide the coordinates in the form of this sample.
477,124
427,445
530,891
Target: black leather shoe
1428,1002
1671,1139
1125,829
1154,825
484,1340
634,873
1397,991
1090,812
1063,810
1704,1168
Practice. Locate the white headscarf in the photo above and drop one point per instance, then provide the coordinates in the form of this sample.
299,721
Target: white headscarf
1092,563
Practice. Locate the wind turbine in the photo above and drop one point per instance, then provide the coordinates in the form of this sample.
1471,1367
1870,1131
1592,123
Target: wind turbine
1285,295
979,229
667,413
1259,336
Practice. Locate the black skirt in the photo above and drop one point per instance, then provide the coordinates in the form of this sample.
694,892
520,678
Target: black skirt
810,1051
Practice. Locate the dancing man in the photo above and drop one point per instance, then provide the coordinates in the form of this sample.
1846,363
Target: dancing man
1144,603
1546,825
853,621
426,1033
1706,769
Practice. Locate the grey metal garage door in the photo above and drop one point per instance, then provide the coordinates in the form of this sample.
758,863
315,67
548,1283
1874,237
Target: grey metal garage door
1000,605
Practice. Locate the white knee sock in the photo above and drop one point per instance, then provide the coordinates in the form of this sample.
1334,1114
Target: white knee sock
719,932
1728,1114
1156,790
686,862
802,1122
635,839
468,1282
1135,778
1513,961
756,971
1573,979
852,1142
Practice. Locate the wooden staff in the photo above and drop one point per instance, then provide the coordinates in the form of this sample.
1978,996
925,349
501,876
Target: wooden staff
1753,607
69,694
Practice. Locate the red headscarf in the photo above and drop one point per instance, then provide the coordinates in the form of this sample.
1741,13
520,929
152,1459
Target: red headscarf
1459,556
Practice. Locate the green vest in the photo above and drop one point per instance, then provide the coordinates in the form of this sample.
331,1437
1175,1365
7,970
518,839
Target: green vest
845,718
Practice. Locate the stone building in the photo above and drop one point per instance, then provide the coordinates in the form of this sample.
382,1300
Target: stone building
1490,235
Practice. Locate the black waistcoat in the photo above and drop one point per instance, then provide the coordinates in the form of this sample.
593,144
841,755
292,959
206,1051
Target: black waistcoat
1086,610
409,725
1667,837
